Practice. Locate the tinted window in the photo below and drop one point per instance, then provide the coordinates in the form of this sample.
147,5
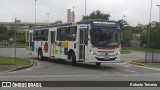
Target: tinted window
40,35
72,33
38,38
34,35
44,35
62,34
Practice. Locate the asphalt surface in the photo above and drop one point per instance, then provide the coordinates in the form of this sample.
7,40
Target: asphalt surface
54,70
10,52
63,70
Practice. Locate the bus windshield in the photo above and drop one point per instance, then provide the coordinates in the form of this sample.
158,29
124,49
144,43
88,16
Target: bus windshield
104,37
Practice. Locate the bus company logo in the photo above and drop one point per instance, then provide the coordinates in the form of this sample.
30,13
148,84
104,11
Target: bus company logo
6,84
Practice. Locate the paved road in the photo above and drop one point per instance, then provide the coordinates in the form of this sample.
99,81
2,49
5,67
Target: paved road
63,70
134,55
20,52
52,70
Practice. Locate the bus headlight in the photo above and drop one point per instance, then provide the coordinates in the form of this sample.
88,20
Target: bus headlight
119,52
92,52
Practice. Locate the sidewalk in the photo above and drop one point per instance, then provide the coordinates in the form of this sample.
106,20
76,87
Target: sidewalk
154,65
144,64
6,67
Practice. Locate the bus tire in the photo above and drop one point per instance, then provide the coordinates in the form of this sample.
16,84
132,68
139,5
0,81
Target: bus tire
73,58
98,64
40,55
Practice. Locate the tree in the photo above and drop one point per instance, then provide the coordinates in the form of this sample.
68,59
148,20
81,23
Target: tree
137,30
122,23
97,15
126,36
143,38
154,37
3,32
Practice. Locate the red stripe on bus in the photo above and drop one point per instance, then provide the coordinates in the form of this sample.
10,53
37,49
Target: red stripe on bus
111,47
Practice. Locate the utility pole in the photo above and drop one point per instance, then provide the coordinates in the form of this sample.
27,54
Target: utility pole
15,41
159,12
148,32
35,12
85,7
48,18
124,16
73,8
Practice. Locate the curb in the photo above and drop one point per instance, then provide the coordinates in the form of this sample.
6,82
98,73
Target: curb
137,63
21,67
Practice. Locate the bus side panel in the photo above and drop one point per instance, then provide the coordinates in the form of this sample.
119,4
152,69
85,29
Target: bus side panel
60,47
73,45
44,45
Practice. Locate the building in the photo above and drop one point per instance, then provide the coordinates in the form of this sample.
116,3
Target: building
70,16
143,27
21,27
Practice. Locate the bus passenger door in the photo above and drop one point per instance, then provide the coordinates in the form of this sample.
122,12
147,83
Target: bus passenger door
52,43
83,43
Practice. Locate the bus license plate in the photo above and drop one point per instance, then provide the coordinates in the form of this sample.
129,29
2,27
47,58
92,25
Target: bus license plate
106,57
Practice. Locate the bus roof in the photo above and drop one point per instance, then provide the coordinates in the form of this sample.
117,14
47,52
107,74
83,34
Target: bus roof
93,22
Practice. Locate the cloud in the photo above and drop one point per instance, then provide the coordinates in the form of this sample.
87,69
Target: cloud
136,11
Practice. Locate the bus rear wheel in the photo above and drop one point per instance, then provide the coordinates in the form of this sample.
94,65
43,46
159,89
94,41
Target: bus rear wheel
73,58
40,55
98,64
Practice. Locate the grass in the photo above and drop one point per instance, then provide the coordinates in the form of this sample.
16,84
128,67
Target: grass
10,61
27,48
133,48
125,52
139,49
21,45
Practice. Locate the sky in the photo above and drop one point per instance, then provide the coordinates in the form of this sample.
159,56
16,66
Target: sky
136,11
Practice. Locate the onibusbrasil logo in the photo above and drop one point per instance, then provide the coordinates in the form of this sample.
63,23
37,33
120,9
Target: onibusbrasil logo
21,84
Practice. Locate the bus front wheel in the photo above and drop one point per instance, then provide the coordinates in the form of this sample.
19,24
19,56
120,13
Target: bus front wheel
98,64
73,58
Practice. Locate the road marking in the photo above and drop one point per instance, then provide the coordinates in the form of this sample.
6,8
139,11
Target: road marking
130,71
13,72
127,65
28,69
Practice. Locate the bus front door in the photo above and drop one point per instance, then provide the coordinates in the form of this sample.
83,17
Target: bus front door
83,44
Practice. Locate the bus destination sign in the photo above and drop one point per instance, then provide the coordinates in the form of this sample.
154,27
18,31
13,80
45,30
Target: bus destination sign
105,23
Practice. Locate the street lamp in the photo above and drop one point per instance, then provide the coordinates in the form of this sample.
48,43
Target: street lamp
85,7
35,13
159,12
73,8
48,18
15,34
124,16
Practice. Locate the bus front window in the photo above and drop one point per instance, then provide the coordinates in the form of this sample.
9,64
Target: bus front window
104,37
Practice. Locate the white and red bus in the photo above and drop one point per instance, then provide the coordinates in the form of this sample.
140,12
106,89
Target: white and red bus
90,41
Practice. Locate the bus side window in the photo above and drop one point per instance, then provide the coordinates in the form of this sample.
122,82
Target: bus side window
35,35
72,33
62,34
44,35
39,35
58,33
